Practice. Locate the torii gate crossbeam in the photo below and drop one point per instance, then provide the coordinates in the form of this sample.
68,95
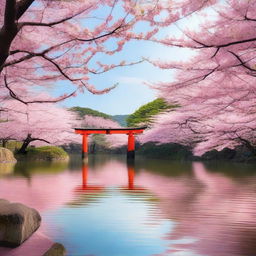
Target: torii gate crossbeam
129,131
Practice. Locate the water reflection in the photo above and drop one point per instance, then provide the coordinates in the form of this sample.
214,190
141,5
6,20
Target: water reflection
109,220
217,211
131,187
153,207
6,168
85,187
28,169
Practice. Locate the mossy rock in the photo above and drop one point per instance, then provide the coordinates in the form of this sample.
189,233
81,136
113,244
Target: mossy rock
6,156
47,153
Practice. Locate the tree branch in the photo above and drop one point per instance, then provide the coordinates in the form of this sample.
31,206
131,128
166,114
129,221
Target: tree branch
50,24
60,69
31,55
101,36
10,14
247,144
11,92
243,63
22,7
46,141
14,96
224,45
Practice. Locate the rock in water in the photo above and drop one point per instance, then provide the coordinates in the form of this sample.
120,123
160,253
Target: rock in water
17,223
6,156
56,250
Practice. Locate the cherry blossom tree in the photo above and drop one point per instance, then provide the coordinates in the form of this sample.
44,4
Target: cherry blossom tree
215,89
42,41
98,122
113,140
48,123
37,124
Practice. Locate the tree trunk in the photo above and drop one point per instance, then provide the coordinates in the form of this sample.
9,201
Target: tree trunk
25,144
13,12
4,143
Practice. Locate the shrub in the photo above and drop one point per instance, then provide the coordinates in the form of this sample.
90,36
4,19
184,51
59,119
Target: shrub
47,153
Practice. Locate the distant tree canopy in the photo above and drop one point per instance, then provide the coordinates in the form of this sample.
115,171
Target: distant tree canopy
144,114
121,119
88,111
94,119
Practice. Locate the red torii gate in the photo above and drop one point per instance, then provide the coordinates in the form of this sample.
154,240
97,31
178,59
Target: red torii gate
129,131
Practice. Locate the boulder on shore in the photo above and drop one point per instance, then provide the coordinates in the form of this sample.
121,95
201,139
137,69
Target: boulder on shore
6,156
17,223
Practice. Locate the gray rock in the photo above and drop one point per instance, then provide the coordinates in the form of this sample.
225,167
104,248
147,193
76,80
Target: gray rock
17,223
56,250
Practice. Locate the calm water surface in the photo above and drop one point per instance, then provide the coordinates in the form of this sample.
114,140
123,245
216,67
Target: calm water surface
151,208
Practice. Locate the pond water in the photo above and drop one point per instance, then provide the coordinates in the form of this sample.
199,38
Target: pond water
150,208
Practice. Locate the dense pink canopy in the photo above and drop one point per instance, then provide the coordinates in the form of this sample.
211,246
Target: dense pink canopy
113,140
46,123
215,90
44,42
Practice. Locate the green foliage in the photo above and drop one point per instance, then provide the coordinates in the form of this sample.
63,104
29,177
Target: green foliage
88,111
170,151
47,153
99,139
12,145
144,114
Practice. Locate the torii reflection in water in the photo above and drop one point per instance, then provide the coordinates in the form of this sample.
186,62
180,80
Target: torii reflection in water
131,178
85,187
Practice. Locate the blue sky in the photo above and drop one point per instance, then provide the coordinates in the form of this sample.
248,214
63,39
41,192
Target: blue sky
131,93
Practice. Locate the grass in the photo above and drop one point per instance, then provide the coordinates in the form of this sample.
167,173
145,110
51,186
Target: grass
47,153
12,145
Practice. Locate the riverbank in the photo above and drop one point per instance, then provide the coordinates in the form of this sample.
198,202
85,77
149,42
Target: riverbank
171,151
46,153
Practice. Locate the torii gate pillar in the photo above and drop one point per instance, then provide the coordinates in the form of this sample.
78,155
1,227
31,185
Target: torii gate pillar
85,146
131,146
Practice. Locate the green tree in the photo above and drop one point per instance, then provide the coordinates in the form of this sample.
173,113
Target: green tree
88,111
144,114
